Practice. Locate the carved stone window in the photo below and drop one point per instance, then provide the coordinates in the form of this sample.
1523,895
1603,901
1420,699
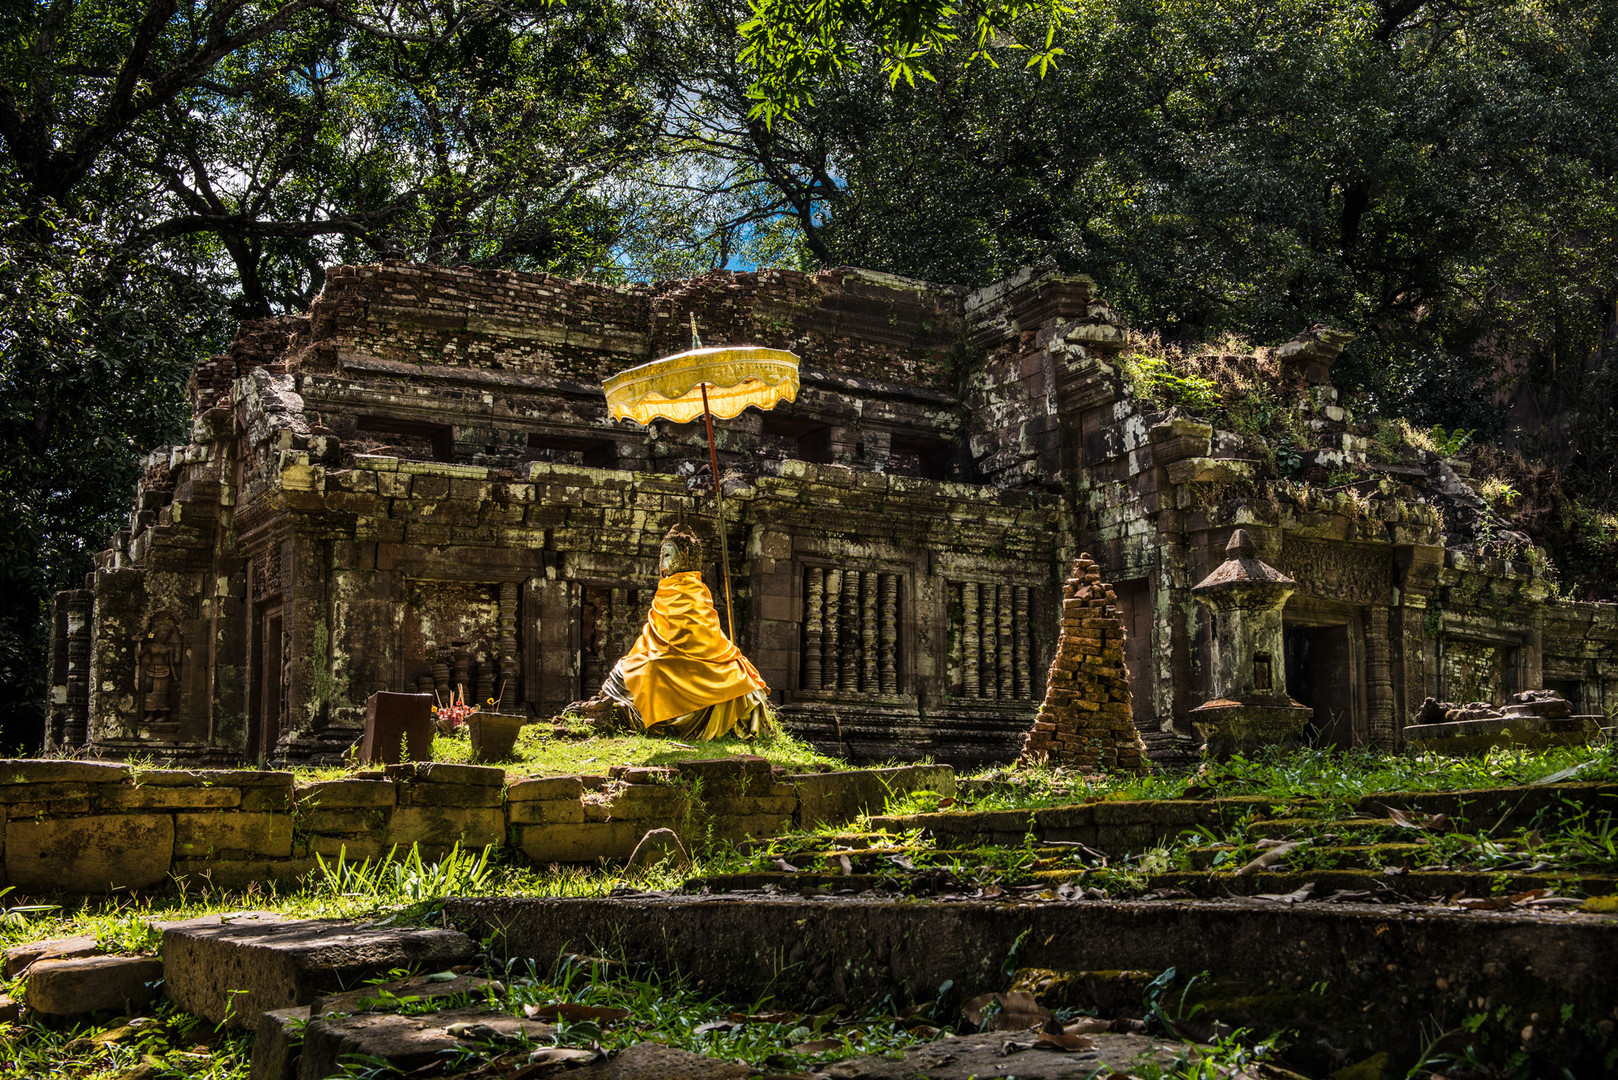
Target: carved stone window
851,631
1263,678
989,647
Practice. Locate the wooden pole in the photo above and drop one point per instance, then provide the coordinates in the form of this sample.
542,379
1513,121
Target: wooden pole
719,496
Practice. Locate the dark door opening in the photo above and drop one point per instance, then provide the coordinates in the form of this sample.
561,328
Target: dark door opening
1320,674
271,689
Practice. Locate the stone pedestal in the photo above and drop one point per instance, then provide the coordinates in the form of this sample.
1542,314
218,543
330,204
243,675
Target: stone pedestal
395,723
1230,727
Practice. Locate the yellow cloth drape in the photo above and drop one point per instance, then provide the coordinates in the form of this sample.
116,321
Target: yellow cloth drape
683,661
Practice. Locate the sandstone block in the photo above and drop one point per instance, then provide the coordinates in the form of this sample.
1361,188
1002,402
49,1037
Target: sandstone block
445,825
46,771
464,795
240,873
18,957
548,788
241,778
92,984
346,794
546,812
736,828
347,822
441,772
646,800
351,848
406,1043
235,971
583,843
203,835
45,792
744,805
654,1061
155,797
276,1041
95,853
843,796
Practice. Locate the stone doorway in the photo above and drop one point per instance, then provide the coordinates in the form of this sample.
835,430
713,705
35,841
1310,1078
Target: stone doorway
1323,673
268,689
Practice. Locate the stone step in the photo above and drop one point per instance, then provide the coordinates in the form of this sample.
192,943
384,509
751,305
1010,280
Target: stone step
1262,959
230,972
91,984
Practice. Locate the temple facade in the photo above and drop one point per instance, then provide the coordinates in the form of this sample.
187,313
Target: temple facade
415,486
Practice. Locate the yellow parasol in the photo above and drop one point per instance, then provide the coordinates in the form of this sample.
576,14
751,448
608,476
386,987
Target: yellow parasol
711,382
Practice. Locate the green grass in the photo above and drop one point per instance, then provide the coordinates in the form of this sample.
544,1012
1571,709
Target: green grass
1326,775
540,752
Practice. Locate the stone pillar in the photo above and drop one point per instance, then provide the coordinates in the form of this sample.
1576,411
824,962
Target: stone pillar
889,587
989,649
1004,644
869,642
833,627
814,601
1020,617
969,639
509,689
1378,678
849,652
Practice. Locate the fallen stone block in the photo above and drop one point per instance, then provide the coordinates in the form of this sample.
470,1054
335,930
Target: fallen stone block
391,997
234,972
406,1042
276,1042
278,1039
96,853
18,957
92,984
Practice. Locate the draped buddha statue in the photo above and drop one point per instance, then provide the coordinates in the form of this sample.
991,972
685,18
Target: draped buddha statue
684,677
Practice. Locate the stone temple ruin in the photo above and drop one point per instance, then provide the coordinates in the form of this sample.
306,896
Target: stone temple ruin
415,485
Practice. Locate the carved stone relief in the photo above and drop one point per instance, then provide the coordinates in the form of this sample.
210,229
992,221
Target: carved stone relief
1358,575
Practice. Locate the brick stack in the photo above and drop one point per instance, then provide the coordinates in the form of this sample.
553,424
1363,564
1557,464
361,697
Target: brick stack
1085,721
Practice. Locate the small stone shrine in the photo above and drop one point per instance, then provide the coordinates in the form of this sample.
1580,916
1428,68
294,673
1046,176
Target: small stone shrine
1250,708
1085,721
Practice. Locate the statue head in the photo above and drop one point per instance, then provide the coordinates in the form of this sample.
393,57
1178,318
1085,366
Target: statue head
681,551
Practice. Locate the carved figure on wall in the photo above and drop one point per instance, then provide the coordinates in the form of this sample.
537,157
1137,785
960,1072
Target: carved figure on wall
159,669
285,719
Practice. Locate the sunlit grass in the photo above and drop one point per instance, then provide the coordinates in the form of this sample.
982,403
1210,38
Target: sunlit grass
542,752
1298,774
